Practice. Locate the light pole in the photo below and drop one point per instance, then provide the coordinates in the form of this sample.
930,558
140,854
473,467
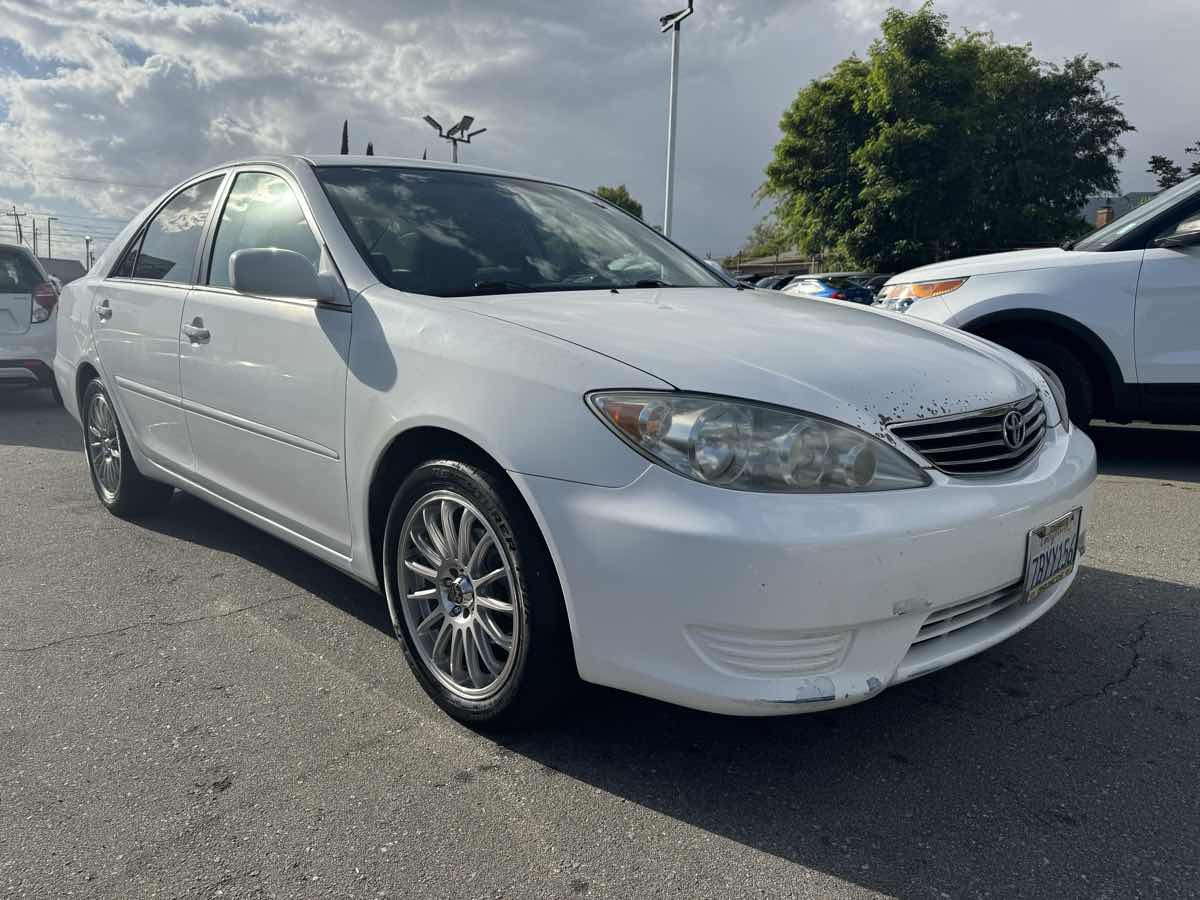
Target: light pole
671,22
457,134
87,251
49,246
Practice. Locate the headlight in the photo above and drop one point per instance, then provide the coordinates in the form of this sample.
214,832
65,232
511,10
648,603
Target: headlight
1057,391
753,447
899,297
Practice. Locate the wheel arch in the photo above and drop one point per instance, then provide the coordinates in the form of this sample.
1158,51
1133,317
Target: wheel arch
84,373
404,452
1113,393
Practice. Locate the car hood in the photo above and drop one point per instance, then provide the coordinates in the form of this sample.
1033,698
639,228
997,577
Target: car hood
990,264
844,361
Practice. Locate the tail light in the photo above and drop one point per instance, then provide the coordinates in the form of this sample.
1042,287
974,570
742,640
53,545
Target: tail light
837,295
45,298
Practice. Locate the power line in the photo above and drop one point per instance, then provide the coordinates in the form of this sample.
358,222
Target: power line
68,216
105,181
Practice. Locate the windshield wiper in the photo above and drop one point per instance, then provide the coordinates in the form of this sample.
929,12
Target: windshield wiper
501,287
1068,245
651,283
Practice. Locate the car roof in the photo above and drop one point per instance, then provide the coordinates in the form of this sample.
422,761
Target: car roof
20,247
292,161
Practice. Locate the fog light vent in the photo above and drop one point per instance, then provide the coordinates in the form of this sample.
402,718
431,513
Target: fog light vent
769,654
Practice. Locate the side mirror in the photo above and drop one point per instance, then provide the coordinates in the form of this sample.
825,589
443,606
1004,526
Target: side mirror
1179,239
268,272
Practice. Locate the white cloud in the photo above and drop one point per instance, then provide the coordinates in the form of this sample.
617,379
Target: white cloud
133,92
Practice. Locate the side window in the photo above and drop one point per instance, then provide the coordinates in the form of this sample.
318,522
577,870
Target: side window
1190,225
261,212
169,249
124,268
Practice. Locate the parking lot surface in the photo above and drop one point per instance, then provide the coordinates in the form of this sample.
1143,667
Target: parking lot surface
190,708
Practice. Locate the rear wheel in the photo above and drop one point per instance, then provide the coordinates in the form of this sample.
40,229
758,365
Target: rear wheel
1077,383
122,489
474,598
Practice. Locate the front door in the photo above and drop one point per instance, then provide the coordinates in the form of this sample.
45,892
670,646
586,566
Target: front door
1167,329
135,322
264,379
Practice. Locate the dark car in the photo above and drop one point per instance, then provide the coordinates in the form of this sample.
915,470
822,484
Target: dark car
777,282
833,286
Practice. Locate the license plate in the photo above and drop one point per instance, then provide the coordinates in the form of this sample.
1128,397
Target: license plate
1050,553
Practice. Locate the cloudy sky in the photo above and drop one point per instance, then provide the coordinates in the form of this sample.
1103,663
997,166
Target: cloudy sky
103,102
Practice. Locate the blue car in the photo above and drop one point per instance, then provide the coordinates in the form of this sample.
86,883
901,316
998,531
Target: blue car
834,286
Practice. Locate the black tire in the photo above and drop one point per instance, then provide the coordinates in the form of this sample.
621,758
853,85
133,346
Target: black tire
1077,383
134,495
543,673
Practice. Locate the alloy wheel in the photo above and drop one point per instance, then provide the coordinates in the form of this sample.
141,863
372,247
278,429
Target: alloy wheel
458,595
104,446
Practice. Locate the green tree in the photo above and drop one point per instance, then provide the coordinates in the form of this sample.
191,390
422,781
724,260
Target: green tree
765,238
1169,173
939,144
619,196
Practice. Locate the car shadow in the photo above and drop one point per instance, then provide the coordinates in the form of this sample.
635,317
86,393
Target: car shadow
30,417
1019,772
1146,451
190,519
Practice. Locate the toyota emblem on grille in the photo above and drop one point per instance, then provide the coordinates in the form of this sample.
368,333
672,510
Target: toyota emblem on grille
1014,429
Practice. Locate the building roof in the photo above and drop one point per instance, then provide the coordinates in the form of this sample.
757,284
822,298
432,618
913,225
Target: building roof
65,270
1120,204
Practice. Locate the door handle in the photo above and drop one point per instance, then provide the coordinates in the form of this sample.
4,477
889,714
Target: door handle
196,332
103,310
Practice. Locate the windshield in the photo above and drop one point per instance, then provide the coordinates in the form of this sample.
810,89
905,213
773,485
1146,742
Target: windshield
458,234
1101,238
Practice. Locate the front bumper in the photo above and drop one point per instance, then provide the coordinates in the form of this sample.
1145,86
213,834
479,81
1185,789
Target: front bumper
760,604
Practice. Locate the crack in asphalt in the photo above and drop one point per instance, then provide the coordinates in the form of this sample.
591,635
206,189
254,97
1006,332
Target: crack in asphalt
169,623
1135,661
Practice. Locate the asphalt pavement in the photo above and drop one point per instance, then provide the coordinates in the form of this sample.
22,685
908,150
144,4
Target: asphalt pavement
190,708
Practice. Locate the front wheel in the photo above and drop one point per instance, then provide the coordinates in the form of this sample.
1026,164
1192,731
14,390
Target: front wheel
122,489
474,598
1077,384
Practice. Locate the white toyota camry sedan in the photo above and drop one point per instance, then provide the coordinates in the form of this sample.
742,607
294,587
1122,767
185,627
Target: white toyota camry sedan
564,448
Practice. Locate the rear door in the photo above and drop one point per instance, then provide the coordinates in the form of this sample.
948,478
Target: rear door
264,378
18,276
136,317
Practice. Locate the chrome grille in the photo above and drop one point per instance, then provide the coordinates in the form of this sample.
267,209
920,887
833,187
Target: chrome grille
951,618
974,443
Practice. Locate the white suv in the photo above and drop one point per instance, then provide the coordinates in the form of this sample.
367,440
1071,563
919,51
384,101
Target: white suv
1116,315
28,299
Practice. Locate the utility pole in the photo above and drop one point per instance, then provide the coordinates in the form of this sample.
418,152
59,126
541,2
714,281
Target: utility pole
49,246
87,252
17,218
671,22
34,219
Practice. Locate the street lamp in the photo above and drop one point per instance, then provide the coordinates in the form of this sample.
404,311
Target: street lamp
457,134
671,22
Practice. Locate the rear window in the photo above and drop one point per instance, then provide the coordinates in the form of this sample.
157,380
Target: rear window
17,274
